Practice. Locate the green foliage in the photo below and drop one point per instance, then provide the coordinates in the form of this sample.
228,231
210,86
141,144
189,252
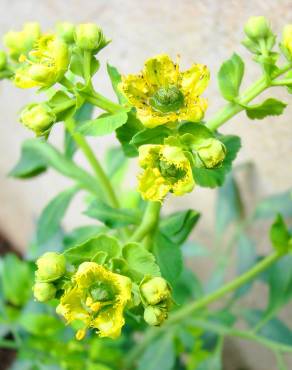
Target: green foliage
280,235
277,203
270,107
29,164
168,256
230,77
179,225
104,125
16,280
113,217
150,136
115,80
49,221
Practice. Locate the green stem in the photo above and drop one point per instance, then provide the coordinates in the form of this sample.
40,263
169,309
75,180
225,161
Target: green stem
189,309
284,82
87,67
63,106
148,223
102,102
5,343
98,170
231,109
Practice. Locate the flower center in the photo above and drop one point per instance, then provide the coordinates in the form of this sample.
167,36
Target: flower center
101,292
170,171
167,99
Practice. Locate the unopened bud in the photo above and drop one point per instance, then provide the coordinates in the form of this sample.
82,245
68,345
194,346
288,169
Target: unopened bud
257,28
66,31
89,36
287,39
155,290
211,152
51,266
155,316
38,117
44,292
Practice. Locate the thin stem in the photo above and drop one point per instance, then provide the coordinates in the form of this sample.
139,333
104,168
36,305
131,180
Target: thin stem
102,102
99,172
189,309
148,223
87,67
231,109
63,106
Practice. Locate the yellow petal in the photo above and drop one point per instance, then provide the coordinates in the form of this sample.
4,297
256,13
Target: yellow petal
160,71
135,90
152,185
194,80
194,110
150,118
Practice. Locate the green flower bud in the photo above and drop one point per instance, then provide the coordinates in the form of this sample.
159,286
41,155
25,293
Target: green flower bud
155,316
66,31
51,266
155,290
44,292
211,152
257,28
89,36
37,117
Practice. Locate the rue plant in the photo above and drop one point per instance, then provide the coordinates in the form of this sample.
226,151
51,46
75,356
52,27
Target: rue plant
120,285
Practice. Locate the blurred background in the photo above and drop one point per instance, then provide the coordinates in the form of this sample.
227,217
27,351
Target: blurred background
200,31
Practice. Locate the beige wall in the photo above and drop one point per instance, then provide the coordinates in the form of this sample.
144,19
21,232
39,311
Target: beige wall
201,31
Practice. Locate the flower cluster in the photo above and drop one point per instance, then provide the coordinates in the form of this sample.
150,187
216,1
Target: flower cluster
94,295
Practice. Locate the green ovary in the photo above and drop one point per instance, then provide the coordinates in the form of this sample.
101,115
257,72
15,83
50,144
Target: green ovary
167,99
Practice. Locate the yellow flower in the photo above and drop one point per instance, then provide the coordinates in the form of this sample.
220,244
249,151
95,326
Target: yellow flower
162,94
45,65
287,39
21,42
166,169
97,298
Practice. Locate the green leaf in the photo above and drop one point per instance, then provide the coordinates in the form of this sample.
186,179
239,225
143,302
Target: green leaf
50,219
126,132
103,125
215,177
198,130
187,287
116,165
82,234
169,258
88,250
52,157
116,79
279,235
277,203
140,261
40,324
179,225
229,207
160,354
280,284
150,136
84,113
17,279
246,259
230,77
113,217
29,164
274,330
270,107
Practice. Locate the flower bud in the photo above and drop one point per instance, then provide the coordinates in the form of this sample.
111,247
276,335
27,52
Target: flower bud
287,39
155,316
89,36
38,117
44,292
3,60
211,152
257,28
155,290
66,31
51,266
